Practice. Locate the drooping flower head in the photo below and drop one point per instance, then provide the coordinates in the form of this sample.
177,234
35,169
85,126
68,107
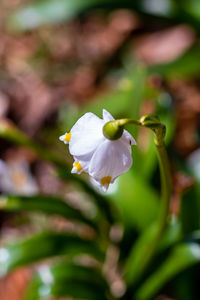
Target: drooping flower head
103,159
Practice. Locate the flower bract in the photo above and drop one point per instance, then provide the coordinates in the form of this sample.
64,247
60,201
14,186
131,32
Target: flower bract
103,159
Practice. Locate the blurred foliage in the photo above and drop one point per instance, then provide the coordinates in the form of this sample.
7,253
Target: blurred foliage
77,264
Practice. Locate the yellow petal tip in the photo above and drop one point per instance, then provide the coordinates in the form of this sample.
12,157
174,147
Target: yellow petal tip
67,137
105,181
78,166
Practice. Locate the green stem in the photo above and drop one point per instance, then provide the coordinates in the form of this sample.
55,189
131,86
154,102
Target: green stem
159,130
123,122
151,248
114,130
165,186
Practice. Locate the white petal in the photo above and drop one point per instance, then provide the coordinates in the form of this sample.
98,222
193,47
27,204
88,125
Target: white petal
84,162
112,158
127,138
86,158
77,167
97,186
86,135
62,138
107,117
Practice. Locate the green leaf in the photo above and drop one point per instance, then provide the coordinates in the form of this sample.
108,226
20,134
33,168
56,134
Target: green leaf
10,132
67,279
142,247
42,246
125,100
41,203
137,255
182,257
173,234
70,288
192,7
144,162
137,201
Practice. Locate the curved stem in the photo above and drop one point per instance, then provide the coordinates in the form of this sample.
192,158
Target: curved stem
165,186
151,247
153,123
113,130
123,122
145,256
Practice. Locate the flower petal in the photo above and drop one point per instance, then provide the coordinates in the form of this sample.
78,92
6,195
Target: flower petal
107,117
127,138
65,137
81,163
77,167
111,159
86,135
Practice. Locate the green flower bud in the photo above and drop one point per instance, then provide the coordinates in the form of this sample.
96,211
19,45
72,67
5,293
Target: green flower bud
113,130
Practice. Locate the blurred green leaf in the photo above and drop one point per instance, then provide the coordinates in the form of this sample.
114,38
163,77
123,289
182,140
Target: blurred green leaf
41,203
67,279
137,200
141,248
173,234
44,245
11,133
125,100
192,7
182,257
145,160
137,254
145,154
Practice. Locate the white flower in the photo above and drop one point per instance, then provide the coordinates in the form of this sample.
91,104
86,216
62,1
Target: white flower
93,153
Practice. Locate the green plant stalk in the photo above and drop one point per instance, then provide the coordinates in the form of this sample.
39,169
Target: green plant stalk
165,186
159,130
114,129
161,224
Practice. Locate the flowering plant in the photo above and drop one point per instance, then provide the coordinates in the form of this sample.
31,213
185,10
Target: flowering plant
102,158
139,239
102,148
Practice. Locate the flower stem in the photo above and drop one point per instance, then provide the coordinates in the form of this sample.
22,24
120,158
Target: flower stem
159,130
165,186
151,246
145,256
